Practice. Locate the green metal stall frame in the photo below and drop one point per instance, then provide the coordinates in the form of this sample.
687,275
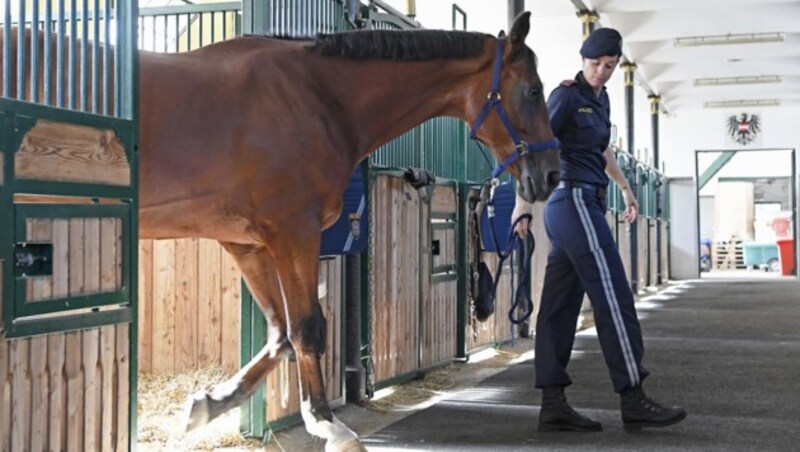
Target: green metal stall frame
61,103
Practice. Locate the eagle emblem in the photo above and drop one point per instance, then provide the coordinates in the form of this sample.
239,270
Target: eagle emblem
743,128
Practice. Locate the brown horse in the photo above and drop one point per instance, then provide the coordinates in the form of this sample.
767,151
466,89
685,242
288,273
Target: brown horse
252,141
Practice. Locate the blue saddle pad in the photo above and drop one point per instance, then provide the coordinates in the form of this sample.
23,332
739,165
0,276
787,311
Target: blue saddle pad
504,199
349,234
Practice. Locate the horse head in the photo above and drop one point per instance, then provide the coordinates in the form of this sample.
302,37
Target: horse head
512,120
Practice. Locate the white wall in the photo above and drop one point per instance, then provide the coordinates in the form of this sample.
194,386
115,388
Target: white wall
684,244
684,132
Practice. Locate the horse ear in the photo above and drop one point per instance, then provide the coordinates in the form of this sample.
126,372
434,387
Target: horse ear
520,29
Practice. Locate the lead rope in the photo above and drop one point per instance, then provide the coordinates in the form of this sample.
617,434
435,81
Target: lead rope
522,294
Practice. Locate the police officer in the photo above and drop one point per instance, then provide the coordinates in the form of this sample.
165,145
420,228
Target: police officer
583,257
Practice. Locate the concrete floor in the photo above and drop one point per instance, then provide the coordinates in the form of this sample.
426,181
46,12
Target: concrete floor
728,350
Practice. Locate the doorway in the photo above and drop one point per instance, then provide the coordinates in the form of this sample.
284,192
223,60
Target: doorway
746,212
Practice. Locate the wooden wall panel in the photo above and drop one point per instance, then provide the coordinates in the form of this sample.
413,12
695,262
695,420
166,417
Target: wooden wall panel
397,265
5,397
439,320
653,252
496,328
64,391
189,306
439,299
643,243
444,199
209,307
2,291
72,153
87,256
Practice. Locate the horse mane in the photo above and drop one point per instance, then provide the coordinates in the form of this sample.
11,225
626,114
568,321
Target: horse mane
400,45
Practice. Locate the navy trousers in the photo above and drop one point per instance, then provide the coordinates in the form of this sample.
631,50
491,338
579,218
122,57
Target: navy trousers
584,259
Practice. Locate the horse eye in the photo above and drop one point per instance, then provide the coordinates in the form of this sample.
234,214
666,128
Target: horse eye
533,91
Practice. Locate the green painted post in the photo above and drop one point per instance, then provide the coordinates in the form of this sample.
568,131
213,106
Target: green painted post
462,304
714,168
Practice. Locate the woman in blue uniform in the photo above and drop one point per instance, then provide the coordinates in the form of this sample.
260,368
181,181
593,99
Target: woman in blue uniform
584,257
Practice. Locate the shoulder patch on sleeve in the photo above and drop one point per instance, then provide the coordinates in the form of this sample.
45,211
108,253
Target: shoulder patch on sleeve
568,82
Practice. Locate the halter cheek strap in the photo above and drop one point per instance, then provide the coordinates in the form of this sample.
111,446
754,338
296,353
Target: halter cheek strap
493,102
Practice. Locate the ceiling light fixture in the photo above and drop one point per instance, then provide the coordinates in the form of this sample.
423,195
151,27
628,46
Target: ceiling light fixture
743,38
742,103
746,80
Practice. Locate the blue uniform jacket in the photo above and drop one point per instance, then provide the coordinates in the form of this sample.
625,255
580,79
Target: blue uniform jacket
580,120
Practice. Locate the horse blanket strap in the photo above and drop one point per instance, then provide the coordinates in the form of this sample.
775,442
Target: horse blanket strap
494,102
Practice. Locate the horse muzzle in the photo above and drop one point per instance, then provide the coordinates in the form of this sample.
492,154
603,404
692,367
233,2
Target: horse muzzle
538,185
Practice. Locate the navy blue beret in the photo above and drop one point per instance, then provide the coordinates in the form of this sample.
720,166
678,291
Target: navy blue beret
602,42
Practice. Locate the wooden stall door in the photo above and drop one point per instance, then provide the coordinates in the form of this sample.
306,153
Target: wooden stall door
394,278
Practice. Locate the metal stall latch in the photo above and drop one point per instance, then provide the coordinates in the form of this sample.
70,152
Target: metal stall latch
33,259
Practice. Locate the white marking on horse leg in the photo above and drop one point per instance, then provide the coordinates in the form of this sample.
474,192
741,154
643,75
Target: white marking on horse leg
338,438
204,407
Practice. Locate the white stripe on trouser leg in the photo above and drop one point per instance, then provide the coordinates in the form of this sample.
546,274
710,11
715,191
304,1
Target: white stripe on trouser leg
605,278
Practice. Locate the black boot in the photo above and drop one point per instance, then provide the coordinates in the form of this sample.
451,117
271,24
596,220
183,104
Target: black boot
640,411
556,414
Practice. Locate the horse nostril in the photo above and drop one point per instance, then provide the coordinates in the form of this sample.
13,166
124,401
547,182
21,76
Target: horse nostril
553,178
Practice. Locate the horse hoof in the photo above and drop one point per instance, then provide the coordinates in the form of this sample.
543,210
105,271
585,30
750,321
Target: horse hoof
197,411
346,445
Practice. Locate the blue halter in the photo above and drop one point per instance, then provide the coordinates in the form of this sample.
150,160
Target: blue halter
493,102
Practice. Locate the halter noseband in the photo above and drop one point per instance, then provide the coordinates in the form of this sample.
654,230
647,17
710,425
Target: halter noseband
493,102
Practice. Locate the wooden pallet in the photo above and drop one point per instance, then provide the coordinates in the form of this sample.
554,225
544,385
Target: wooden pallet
728,255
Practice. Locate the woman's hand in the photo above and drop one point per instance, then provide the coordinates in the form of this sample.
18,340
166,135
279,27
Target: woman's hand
521,207
631,206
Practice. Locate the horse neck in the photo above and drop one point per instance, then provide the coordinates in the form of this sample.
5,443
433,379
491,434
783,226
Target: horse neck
382,99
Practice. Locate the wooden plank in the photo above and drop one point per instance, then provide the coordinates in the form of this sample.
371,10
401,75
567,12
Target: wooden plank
5,397
108,254
108,403
209,309
56,393
146,306
91,257
185,304
416,218
164,306
444,199
39,393
119,254
75,397
231,279
41,287
20,395
2,272
61,257
380,290
71,153
76,250
122,396
394,278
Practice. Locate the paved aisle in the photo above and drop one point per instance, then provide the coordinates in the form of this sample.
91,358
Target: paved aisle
728,351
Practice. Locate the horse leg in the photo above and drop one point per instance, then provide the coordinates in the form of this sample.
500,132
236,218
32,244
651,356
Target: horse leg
262,279
298,270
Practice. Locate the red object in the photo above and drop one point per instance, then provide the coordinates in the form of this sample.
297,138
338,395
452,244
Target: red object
781,226
786,254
